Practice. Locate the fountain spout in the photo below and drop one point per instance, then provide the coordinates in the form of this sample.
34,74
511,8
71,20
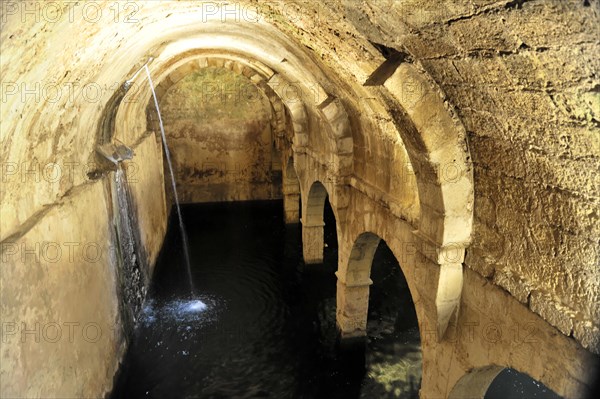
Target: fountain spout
115,152
129,82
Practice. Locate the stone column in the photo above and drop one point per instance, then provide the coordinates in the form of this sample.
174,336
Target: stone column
291,208
291,199
313,241
291,193
449,258
352,308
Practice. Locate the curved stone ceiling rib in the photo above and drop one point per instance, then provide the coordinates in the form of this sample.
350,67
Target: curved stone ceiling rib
257,73
291,75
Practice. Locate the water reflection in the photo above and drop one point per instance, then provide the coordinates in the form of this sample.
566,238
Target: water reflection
264,323
394,348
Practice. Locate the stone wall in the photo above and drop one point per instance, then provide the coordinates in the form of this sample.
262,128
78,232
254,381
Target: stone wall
61,328
523,78
68,302
519,77
218,127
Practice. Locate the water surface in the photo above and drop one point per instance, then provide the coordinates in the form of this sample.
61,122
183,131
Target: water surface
263,323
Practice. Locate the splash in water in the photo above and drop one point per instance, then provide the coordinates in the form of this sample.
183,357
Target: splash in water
200,310
194,306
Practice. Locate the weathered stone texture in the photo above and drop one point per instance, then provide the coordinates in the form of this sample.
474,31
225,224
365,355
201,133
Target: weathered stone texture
61,331
523,79
218,129
504,91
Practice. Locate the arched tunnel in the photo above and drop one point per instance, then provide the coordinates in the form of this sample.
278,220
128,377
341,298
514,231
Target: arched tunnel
303,199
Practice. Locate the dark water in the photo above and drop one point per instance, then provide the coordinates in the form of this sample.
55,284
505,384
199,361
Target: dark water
263,323
265,326
511,384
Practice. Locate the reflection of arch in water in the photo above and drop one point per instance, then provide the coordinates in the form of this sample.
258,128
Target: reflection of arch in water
495,382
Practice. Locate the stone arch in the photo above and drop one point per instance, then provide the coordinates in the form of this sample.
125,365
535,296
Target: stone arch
289,124
353,286
256,74
276,87
477,383
313,223
291,192
439,154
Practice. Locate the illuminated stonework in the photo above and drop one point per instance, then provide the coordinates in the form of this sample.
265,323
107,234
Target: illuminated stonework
464,135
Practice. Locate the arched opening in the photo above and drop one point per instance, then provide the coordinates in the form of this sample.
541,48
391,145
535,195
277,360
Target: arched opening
374,301
497,382
313,224
330,238
393,353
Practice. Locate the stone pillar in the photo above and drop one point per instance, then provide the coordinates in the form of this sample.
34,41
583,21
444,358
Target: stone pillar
352,308
313,241
291,208
291,197
291,194
449,258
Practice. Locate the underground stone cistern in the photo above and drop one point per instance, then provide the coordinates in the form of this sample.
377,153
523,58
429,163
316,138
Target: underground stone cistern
462,135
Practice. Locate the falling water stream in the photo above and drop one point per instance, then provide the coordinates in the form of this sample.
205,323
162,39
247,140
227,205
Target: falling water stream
172,175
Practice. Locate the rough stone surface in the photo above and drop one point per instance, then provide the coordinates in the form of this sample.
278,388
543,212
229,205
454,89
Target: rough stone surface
218,129
470,123
61,330
529,100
